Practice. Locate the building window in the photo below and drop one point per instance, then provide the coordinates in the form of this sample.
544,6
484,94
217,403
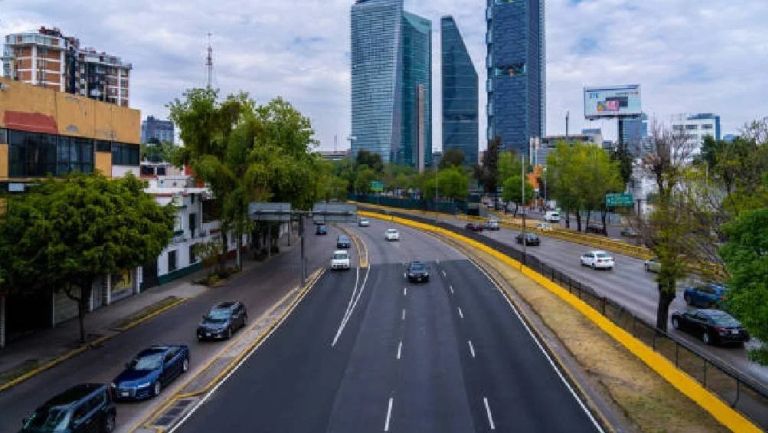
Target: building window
178,229
172,261
103,146
3,136
705,126
691,127
36,155
193,224
192,258
510,70
125,154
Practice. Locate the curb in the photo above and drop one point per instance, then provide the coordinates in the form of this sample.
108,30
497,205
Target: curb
84,347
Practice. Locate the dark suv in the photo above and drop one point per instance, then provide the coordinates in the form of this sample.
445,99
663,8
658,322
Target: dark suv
222,321
80,409
343,242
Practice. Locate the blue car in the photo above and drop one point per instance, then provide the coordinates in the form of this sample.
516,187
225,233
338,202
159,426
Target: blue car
150,371
705,296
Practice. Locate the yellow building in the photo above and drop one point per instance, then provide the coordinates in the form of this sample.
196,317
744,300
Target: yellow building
44,132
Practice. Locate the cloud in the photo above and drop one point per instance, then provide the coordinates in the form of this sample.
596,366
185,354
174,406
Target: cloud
688,55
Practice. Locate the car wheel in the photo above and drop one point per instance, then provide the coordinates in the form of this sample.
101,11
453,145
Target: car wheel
245,318
687,299
706,338
109,423
647,268
675,323
185,365
593,266
157,388
229,333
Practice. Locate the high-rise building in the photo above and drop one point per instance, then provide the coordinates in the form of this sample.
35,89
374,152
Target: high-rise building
49,59
516,64
154,130
697,126
633,133
460,93
391,82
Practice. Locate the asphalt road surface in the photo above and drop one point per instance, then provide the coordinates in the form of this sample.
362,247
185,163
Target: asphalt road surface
258,289
366,351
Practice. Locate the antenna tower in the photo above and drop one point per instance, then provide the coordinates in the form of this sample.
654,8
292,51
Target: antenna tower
209,62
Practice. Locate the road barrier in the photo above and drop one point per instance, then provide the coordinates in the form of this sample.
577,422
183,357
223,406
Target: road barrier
734,388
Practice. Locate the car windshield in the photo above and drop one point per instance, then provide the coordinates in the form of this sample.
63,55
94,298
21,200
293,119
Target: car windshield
218,315
340,256
603,256
417,266
48,419
723,319
392,231
147,362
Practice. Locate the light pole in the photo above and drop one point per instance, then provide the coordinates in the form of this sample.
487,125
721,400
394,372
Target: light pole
436,191
522,201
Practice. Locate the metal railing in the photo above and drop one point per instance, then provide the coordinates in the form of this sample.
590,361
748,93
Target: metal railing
739,391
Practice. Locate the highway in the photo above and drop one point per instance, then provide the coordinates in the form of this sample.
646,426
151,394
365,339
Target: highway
628,284
366,351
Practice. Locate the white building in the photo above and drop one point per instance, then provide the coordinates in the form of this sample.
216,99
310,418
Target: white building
697,126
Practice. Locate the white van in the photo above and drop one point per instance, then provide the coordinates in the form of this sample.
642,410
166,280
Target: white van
552,217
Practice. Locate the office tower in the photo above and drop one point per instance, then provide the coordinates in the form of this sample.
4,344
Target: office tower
516,64
460,93
697,126
154,130
633,133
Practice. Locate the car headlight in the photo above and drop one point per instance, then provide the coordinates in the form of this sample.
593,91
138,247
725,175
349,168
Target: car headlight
144,385
112,385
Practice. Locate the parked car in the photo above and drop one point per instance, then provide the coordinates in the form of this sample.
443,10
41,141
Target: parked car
321,229
417,272
492,224
475,227
222,321
629,232
82,408
545,227
552,217
705,296
340,260
392,235
530,239
596,229
150,371
652,265
712,326
597,259
363,222
343,241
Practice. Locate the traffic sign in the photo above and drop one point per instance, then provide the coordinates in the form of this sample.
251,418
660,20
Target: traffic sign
619,200
377,186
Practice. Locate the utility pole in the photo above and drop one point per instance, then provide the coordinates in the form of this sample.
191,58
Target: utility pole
436,183
567,124
209,62
522,200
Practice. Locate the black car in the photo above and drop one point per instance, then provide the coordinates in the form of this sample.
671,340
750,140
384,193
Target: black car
475,227
417,272
321,229
222,321
596,229
83,408
343,242
530,239
712,326
150,371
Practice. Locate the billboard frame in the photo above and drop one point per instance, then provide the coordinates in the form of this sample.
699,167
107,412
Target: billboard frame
609,89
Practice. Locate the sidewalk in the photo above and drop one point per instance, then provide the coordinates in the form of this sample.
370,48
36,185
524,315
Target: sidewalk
48,347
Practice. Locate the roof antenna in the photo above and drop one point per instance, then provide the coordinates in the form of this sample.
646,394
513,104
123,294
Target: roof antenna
209,62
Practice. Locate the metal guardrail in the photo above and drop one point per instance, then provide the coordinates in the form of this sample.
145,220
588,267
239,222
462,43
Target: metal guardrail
741,392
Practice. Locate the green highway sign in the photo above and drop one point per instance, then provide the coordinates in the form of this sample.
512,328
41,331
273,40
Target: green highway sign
377,186
619,200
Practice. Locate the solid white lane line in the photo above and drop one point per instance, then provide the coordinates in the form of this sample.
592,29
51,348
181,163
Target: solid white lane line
405,291
488,413
471,348
444,274
399,349
402,316
451,287
351,308
461,313
389,415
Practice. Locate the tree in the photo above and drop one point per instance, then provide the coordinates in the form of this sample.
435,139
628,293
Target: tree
452,158
513,191
371,159
365,175
488,173
452,183
623,158
158,152
65,233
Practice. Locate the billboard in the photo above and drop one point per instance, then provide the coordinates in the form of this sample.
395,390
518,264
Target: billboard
612,101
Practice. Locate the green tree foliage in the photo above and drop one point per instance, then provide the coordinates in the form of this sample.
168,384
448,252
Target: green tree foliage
371,159
452,158
746,258
158,152
365,175
66,233
513,190
488,173
623,158
452,183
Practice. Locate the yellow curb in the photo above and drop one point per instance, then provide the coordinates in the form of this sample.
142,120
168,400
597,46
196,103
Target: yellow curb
727,416
313,279
362,248
152,315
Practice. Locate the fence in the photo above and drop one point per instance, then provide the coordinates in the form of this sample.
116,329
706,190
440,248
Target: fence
451,207
742,393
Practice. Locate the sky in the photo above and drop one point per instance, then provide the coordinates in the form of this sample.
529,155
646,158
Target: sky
689,56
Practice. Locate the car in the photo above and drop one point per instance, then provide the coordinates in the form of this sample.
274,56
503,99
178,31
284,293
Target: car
340,260
222,320
492,224
545,227
596,229
87,407
552,217
363,222
343,241
392,235
475,227
629,232
150,371
705,295
530,239
417,272
652,265
598,259
321,229
712,326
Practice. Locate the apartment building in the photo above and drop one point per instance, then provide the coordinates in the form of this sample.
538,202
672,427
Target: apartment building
48,58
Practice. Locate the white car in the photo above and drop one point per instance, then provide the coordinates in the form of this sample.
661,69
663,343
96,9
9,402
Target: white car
392,235
597,260
363,222
552,217
653,265
340,260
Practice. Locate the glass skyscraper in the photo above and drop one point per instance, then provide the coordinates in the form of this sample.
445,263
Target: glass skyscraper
460,93
391,82
516,64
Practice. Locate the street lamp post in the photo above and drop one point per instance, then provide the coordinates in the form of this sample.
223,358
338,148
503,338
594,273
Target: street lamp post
522,201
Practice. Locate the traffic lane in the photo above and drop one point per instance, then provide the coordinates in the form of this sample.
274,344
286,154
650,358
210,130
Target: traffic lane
289,384
503,364
176,326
